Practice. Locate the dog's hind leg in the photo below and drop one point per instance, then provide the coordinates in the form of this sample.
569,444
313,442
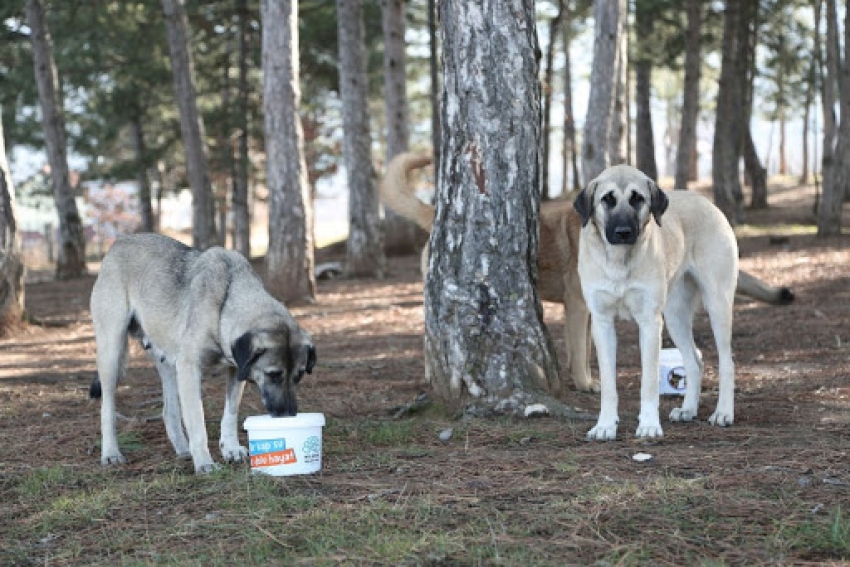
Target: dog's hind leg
171,414
719,307
231,450
577,321
679,312
111,339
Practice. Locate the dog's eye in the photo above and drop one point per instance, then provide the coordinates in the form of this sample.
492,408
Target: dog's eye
636,200
609,200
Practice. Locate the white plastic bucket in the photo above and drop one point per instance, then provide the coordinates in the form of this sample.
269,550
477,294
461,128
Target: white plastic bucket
671,373
283,446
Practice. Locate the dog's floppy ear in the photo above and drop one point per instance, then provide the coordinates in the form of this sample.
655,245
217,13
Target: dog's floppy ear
657,201
305,360
584,202
244,354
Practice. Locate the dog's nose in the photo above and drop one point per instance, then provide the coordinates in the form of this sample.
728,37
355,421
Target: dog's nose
623,233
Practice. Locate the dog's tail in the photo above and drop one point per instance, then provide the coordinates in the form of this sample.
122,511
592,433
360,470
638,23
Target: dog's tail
94,389
397,194
753,287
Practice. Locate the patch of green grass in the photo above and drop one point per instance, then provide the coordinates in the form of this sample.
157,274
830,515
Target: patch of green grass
821,537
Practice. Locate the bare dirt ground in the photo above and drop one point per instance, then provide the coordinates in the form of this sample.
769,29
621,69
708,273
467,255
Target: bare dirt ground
773,488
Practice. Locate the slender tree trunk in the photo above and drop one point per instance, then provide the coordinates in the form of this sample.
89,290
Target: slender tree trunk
690,97
609,16
241,210
843,146
807,113
191,125
548,88
401,236
757,172
645,150
618,151
829,207
570,148
11,264
142,173
71,261
730,115
289,261
783,161
365,252
485,341
434,66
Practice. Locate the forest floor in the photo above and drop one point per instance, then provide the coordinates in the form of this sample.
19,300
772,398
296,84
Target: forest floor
772,489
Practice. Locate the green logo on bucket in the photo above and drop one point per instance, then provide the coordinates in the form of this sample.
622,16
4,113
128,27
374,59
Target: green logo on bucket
312,446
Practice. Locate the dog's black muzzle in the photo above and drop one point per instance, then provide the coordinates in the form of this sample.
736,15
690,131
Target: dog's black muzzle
280,402
620,230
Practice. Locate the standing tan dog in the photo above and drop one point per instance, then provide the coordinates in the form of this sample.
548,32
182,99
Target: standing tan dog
558,280
645,254
191,309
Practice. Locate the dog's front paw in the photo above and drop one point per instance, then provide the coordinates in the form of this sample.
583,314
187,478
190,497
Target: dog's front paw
234,454
603,432
116,459
682,414
649,430
721,419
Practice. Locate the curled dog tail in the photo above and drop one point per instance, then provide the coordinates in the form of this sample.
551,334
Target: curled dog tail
753,287
398,195
94,389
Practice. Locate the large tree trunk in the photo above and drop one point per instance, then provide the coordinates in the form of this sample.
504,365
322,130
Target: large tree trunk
365,252
618,133
843,146
191,125
289,261
142,176
829,207
401,236
570,148
548,88
755,171
690,97
485,341
11,263
71,261
645,140
609,16
730,113
239,198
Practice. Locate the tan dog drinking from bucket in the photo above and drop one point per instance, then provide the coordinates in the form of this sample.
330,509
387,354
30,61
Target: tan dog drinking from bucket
191,309
644,254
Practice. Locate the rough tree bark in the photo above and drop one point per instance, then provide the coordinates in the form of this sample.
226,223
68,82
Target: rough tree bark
289,261
609,16
364,252
11,264
71,260
645,140
485,341
401,236
191,125
619,150
690,97
755,171
239,198
829,207
730,114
